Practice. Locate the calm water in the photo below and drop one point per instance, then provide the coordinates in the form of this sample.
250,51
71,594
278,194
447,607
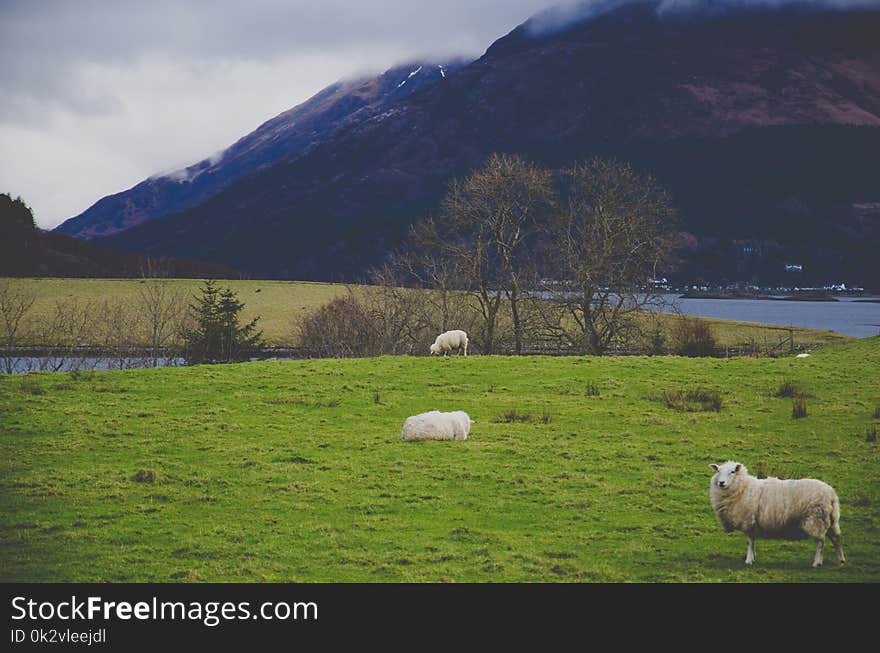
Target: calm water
853,318
24,364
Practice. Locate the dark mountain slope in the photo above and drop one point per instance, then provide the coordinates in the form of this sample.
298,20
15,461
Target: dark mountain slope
290,133
680,95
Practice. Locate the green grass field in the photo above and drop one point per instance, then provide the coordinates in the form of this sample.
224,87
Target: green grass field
281,304
294,471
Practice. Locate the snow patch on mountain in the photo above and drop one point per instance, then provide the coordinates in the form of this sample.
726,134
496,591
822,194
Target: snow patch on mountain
413,73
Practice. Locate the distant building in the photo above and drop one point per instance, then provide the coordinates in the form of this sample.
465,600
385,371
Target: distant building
661,283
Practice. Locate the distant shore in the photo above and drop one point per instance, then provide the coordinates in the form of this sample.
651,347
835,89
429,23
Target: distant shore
797,297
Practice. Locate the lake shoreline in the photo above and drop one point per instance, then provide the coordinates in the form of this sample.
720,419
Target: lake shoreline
775,298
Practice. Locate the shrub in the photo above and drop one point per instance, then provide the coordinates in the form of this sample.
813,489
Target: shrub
789,389
693,337
656,342
380,320
799,408
513,415
144,476
342,328
694,400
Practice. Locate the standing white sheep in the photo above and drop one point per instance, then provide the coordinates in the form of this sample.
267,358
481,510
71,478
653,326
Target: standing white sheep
791,509
435,425
449,341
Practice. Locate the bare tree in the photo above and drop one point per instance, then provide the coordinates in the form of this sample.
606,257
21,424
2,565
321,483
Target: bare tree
118,325
15,303
444,305
614,230
398,314
63,332
485,224
162,307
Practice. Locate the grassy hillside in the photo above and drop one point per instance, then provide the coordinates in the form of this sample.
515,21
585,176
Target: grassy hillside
575,471
278,303
281,304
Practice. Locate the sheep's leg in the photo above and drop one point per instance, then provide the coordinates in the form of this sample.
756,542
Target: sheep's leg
834,534
464,349
817,559
750,554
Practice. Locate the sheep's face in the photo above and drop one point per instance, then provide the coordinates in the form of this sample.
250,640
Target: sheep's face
727,474
435,349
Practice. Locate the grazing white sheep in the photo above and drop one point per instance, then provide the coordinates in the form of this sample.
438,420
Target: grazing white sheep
449,341
435,425
802,356
791,509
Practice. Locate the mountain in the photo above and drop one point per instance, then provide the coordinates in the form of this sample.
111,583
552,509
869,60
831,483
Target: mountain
764,124
291,133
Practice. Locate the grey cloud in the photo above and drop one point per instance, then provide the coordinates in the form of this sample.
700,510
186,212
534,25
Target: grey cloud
43,43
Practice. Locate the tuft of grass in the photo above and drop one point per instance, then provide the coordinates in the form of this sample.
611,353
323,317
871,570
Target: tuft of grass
591,390
546,417
31,387
871,434
799,408
512,416
377,398
789,389
876,414
144,476
697,399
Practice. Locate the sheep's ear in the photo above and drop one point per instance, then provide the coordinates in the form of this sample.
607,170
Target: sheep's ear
714,466
737,468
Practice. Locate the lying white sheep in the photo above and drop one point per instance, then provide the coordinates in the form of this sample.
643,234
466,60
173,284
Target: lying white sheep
435,425
449,341
802,356
772,508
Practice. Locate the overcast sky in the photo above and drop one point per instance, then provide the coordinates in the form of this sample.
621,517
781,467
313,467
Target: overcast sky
97,95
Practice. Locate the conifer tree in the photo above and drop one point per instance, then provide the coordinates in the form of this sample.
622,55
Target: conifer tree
217,336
